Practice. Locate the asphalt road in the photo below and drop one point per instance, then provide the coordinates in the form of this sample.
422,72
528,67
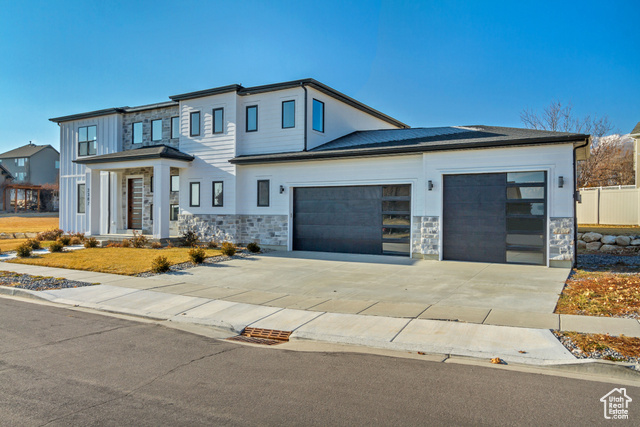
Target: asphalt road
64,367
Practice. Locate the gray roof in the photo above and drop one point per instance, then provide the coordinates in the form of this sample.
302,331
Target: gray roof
636,130
4,172
415,140
25,151
142,153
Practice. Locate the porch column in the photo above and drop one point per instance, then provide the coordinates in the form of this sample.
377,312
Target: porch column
93,202
161,190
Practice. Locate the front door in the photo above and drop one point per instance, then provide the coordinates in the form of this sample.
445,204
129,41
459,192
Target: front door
134,203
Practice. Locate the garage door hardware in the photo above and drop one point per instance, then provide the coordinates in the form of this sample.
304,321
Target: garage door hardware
270,334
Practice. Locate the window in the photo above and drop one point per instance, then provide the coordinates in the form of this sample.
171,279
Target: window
318,115
20,162
156,130
195,123
218,193
151,185
194,194
151,211
252,118
218,117
263,192
57,166
136,135
175,183
175,127
81,198
87,141
21,176
174,210
288,114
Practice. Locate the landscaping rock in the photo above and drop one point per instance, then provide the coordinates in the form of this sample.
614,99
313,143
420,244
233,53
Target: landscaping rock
6,235
623,240
608,240
591,237
31,235
593,246
20,236
580,236
608,248
635,242
582,244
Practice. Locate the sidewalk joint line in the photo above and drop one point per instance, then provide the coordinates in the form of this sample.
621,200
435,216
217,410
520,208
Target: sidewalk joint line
422,312
262,318
402,329
130,293
309,321
275,299
485,317
195,306
365,309
315,305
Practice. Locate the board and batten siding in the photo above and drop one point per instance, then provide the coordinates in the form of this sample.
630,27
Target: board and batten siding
212,153
108,140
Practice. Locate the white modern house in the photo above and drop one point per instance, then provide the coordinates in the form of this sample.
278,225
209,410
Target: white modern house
301,166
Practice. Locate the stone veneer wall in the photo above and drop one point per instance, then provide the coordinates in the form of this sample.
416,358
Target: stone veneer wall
426,236
146,117
561,244
270,230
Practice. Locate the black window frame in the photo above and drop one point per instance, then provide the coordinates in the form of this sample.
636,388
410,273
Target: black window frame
153,134
294,114
151,185
83,199
191,184
213,194
133,133
171,183
171,211
246,124
175,127
87,142
191,123
213,121
323,113
260,181
150,211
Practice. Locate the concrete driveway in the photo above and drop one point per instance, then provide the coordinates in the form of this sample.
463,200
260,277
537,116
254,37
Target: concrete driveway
375,285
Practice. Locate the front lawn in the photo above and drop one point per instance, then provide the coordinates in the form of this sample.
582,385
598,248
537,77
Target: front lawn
8,245
601,294
31,224
128,261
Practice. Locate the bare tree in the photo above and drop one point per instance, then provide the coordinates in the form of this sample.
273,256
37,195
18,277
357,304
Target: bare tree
610,163
560,118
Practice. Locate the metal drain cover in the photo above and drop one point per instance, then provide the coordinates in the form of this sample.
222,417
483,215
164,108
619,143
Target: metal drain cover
262,336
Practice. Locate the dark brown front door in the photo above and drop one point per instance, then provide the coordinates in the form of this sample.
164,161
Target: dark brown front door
134,203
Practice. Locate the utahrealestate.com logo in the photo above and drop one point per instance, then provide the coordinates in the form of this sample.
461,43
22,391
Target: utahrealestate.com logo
616,404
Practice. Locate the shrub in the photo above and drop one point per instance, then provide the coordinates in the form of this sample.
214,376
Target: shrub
138,240
197,255
76,240
50,234
24,250
212,245
91,242
253,247
35,244
160,264
189,238
65,240
79,236
169,245
156,245
228,249
56,246
114,245
126,243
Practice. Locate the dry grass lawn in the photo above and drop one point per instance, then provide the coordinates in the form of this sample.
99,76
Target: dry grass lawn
589,343
18,224
601,294
128,261
9,245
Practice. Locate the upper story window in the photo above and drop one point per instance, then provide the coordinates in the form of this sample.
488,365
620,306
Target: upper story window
218,117
156,130
20,161
175,127
136,133
57,164
288,114
195,123
318,115
252,118
87,141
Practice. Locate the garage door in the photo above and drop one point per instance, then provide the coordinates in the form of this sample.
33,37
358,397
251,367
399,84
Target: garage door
353,219
497,217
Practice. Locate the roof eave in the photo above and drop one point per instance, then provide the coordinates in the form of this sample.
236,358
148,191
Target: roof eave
88,115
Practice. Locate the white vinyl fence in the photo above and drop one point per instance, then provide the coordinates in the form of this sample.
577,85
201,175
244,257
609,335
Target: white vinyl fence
618,205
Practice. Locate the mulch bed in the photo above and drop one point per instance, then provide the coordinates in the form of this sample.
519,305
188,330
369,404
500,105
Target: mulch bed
38,283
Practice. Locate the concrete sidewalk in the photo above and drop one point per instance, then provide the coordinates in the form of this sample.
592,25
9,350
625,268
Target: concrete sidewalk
513,336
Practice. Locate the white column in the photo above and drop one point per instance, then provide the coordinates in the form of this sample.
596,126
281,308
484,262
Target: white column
93,202
161,191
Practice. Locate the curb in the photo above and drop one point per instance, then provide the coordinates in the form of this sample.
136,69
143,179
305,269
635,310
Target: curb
25,293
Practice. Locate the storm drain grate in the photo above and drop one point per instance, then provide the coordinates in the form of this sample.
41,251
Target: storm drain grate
270,334
252,340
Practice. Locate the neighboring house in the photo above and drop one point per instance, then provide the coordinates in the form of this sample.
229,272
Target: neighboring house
635,134
301,166
5,179
33,164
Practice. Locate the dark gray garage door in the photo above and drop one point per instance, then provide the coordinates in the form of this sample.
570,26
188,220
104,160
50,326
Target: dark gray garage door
353,219
497,217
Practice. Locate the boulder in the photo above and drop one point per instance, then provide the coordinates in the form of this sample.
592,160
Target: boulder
580,236
608,240
608,248
31,235
591,237
20,235
623,240
635,242
593,246
6,236
582,244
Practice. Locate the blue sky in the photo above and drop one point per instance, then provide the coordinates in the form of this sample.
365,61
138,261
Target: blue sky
425,63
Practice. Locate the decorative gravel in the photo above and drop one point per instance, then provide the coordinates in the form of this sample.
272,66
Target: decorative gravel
602,354
211,260
38,283
603,262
